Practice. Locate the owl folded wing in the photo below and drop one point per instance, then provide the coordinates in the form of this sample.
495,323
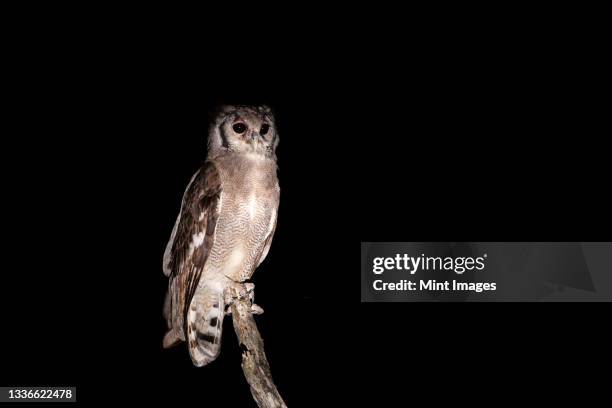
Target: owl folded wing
192,238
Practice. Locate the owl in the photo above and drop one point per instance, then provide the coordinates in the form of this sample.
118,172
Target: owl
224,228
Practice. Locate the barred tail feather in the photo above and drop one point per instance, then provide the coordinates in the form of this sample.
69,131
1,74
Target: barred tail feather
204,325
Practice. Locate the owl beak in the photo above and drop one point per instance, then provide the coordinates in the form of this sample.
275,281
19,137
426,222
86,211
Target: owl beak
254,135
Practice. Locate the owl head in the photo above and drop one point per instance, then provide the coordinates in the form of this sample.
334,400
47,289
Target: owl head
243,129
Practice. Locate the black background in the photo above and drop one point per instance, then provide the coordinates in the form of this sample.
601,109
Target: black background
460,145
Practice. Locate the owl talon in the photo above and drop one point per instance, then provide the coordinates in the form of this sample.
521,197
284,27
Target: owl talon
256,310
236,290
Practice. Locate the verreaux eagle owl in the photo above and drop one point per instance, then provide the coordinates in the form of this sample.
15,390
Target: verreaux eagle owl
224,228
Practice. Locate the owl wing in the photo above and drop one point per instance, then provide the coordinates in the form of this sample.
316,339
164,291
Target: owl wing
191,241
269,236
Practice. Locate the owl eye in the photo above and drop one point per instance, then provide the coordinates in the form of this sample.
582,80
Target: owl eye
239,127
264,129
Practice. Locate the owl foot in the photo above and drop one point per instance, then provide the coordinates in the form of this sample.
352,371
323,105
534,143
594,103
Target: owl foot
255,309
237,290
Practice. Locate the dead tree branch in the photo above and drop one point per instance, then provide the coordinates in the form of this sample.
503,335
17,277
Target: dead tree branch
254,362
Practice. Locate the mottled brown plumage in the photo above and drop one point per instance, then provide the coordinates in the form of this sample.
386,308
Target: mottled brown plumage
199,213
